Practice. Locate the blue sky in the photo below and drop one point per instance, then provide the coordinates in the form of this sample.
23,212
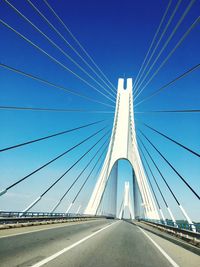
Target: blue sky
117,34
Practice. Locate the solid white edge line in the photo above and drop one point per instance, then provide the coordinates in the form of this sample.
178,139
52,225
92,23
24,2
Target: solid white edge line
48,228
173,263
52,257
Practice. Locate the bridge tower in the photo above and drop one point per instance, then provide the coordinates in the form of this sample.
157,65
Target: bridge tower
123,145
126,202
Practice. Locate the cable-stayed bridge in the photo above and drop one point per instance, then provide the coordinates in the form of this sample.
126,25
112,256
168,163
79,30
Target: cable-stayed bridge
68,184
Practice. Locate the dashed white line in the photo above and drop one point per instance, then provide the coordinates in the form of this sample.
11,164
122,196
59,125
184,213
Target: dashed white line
173,263
52,257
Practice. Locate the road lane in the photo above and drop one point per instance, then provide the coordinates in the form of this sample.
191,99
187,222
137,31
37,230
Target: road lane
122,245
175,247
99,243
27,249
37,228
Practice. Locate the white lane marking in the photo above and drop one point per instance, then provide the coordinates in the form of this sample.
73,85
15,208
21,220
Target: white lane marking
49,228
173,263
52,257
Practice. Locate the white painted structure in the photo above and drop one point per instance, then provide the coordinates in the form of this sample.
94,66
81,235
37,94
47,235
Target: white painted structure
123,145
126,202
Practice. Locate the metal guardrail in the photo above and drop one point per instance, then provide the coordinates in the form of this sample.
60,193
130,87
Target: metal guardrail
181,226
18,214
7,217
186,234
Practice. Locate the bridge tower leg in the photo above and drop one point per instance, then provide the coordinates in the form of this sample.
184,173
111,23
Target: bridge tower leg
123,145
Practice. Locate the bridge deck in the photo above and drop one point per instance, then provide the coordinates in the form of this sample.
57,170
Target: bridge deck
120,244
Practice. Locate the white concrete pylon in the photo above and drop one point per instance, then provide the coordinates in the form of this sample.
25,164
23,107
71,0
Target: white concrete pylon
123,145
126,202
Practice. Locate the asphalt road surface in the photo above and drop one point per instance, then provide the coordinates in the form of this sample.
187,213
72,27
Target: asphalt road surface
99,243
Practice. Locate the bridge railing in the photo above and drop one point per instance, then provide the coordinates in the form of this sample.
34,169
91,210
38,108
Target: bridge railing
17,214
178,225
181,230
7,217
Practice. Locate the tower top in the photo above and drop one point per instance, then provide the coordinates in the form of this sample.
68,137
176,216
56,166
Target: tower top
122,85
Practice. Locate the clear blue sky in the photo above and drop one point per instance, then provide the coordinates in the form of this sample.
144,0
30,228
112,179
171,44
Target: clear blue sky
117,34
